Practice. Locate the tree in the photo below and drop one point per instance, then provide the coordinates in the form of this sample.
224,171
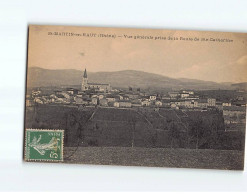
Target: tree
133,128
195,130
173,133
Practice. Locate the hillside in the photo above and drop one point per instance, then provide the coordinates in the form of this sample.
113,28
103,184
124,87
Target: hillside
241,86
38,77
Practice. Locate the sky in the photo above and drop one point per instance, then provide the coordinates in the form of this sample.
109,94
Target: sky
194,58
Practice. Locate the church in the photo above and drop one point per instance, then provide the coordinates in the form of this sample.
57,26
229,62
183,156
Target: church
96,86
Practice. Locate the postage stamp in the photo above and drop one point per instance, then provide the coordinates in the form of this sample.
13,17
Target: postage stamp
44,145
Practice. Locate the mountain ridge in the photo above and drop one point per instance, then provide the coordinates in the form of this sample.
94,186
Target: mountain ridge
40,77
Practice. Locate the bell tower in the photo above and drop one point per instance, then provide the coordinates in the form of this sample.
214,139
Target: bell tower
84,85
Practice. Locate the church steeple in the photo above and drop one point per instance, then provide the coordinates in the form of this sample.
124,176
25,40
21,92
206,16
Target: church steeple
85,73
84,84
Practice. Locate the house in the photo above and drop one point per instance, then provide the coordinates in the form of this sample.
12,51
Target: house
60,98
125,97
53,96
94,96
201,103
158,103
66,95
120,97
211,102
152,97
184,95
110,104
103,102
132,95
100,96
183,103
38,100
145,103
70,91
226,104
94,101
110,98
174,106
79,100
116,104
136,104
36,93
117,97
188,104
173,94
45,99
177,103
125,104
58,92
189,92
145,98
166,103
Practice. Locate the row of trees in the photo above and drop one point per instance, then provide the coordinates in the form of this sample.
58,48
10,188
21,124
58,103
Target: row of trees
205,132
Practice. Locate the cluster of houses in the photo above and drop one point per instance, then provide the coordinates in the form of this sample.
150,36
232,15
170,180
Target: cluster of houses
127,99
234,112
97,94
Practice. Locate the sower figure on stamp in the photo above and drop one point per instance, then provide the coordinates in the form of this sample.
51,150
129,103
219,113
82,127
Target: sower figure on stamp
42,148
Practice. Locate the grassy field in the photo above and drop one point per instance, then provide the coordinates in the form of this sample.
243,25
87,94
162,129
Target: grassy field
106,137
159,157
143,127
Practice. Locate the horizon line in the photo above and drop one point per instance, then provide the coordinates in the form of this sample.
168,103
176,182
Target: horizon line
138,71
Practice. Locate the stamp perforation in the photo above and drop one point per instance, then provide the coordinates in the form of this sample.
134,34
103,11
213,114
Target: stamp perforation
43,130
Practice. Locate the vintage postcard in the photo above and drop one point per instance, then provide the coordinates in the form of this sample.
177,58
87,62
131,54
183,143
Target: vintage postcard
138,97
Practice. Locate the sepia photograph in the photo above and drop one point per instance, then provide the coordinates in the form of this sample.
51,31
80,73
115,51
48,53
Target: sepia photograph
136,97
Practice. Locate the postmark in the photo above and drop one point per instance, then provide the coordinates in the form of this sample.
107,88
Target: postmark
44,145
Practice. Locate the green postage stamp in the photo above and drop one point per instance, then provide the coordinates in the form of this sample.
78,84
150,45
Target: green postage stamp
44,145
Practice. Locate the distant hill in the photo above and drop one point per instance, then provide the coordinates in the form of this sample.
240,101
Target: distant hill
39,77
241,86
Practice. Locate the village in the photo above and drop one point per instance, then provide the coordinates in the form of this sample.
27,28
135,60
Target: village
103,95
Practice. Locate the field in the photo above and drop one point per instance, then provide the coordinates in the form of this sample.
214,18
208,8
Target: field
145,136
159,157
145,127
